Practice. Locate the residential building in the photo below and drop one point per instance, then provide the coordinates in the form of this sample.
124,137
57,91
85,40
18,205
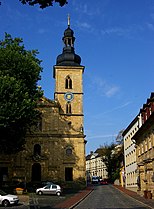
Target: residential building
144,139
130,154
95,166
138,150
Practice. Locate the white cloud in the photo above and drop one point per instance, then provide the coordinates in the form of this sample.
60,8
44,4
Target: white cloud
84,25
126,32
41,30
102,136
152,15
116,30
111,91
150,26
116,108
104,88
97,116
86,9
120,106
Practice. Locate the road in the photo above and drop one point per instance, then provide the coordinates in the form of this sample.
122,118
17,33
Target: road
103,197
108,197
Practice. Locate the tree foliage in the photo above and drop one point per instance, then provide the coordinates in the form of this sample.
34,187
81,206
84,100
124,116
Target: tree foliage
112,159
19,73
43,3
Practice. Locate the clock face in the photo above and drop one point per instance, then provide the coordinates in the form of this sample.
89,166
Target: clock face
69,96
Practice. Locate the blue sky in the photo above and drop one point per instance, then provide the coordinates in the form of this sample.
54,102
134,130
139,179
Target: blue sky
115,39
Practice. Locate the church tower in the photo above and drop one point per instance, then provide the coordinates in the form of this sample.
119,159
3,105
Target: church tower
69,82
68,74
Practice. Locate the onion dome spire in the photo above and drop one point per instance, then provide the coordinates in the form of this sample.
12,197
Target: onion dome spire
68,56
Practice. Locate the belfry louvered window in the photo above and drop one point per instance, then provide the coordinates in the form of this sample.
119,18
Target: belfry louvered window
68,82
68,108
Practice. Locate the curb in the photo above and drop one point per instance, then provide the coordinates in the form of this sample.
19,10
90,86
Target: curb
74,200
75,204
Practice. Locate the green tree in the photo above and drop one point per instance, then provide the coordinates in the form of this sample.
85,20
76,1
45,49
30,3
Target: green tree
19,73
43,3
112,159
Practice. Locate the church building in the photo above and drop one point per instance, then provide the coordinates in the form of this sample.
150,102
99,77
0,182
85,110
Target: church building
55,149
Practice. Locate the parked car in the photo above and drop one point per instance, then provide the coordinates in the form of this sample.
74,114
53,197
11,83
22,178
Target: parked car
49,189
95,179
8,199
103,182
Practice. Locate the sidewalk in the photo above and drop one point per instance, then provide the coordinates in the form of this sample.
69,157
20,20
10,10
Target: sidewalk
147,202
24,199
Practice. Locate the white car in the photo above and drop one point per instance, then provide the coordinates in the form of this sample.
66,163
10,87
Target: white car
8,199
49,189
95,179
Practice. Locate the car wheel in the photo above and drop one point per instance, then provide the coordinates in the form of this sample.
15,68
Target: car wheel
40,192
5,203
58,193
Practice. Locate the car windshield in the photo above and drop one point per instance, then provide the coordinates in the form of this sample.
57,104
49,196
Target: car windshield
2,193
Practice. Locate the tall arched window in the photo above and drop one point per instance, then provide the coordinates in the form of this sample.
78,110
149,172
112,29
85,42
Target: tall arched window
68,108
68,82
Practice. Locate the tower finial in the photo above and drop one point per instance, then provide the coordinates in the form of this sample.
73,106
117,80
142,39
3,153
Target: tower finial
68,20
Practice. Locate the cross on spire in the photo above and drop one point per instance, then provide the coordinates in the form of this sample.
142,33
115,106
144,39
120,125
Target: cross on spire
68,20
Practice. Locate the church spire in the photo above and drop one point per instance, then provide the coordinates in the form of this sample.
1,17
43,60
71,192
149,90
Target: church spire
68,38
68,56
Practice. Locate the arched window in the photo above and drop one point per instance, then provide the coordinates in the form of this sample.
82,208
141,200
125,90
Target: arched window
37,149
68,108
68,82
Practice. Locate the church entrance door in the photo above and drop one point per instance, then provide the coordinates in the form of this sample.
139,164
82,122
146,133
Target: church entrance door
68,174
36,172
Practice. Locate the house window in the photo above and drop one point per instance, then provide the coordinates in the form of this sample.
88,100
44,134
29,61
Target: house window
139,150
68,108
142,149
146,147
150,143
68,83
